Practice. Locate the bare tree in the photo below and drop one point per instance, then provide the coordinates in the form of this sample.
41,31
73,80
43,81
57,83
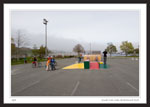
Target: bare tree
20,41
13,47
78,48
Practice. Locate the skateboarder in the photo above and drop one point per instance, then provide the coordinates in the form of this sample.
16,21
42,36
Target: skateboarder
105,56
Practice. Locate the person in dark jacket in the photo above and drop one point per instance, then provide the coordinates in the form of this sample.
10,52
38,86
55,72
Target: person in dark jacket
105,57
52,63
79,58
35,61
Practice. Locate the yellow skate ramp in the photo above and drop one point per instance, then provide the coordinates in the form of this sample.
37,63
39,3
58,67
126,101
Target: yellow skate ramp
75,66
100,62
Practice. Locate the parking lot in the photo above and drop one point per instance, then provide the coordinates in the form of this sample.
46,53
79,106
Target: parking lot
120,79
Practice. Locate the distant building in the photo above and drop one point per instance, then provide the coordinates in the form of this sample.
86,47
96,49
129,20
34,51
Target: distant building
96,52
23,52
62,53
92,52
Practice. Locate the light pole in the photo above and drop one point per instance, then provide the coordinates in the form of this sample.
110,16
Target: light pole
45,22
90,49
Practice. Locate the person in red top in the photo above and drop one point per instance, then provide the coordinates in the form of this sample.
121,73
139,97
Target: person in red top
35,61
49,58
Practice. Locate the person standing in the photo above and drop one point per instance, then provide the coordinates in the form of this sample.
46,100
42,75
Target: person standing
79,58
35,61
47,65
49,58
105,56
52,63
25,60
96,58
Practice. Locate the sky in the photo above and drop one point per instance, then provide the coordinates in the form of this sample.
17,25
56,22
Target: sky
65,29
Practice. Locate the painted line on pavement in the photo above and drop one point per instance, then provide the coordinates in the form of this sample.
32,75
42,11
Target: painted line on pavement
14,70
132,87
27,87
75,88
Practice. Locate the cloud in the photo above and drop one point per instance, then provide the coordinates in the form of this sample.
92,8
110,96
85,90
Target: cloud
66,29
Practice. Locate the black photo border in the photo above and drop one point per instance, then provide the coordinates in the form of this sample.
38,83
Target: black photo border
71,1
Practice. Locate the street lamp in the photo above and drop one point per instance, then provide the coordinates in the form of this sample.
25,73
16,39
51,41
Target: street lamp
90,49
45,22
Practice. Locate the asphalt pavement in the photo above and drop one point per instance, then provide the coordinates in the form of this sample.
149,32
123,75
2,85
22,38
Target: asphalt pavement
120,79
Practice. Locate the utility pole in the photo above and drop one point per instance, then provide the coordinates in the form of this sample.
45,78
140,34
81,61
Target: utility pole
45,22
90,49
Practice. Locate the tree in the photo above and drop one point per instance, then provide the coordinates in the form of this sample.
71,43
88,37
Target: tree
136,50
42,51
20,41
49,51
78,48
111,48
127,47
35,51
13,47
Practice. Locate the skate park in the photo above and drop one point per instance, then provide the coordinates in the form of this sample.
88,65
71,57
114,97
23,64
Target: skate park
120,78
91,76
89,62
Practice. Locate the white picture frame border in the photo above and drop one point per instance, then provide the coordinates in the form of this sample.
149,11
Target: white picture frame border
142,98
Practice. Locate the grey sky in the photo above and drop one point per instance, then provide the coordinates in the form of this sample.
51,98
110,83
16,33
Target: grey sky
66,29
